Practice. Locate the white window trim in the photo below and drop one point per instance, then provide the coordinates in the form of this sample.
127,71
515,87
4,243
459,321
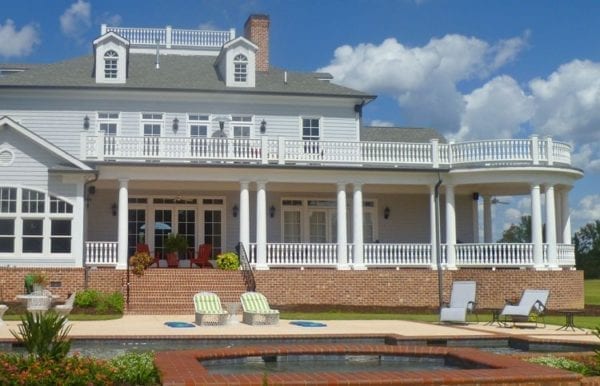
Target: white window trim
301,126
198,122
249,124
144,121
116,121
115,70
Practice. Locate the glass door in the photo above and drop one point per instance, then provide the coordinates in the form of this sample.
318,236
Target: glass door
163,225
136,229
213,228
186,226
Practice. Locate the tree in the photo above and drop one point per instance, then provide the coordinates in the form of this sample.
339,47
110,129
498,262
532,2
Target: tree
587,249
518,233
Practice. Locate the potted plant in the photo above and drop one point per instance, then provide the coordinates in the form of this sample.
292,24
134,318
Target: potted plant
38,281
139,262
228,261
175,247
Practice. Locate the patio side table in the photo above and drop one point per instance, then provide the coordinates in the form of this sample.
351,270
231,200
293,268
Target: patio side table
495,317
570,320
232,309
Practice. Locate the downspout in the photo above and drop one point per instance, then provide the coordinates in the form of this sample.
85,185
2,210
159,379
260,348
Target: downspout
438,245
86,269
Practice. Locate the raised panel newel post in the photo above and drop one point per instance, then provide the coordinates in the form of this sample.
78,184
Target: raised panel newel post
550,151
264,149
435,153
535,150
282,152
168,35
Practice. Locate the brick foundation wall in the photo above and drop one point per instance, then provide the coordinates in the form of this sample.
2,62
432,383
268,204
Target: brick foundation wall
413,287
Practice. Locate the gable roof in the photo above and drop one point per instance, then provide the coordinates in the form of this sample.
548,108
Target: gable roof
400,134
176,73
111,36
6,121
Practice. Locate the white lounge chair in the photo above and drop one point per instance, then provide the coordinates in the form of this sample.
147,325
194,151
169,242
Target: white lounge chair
531,307
209,310
257,310
66,308
3,308
462,300
38,304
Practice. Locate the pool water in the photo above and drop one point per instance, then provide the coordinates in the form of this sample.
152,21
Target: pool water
325,363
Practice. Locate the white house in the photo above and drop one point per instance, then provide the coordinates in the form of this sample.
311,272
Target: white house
193,132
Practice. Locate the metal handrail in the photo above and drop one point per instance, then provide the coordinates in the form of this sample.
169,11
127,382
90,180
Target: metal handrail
246,269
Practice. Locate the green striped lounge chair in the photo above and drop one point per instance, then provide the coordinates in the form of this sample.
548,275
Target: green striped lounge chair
209,310
256,309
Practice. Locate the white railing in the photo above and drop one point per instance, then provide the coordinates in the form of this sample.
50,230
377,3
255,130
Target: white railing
298,255
101,253
565,255
96,146
169,37
494,255
396,255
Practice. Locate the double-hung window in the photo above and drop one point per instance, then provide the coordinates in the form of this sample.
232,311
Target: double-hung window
33,209
240,68
152,126
241,132
8,212
108,123
198,125
311,134
110,64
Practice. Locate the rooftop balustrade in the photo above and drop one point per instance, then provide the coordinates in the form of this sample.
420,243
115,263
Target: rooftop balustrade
172,38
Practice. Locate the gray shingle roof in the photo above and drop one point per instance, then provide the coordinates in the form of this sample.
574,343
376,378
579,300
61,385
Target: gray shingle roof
400,134
189,73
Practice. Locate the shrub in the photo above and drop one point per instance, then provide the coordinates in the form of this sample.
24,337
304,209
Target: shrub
561,363
135,369
229,261
88,298
44,335
100,302
139,262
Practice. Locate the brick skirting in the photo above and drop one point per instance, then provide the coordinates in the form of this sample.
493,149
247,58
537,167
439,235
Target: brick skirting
374,287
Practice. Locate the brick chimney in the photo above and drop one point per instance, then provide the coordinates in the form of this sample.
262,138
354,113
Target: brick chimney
256,30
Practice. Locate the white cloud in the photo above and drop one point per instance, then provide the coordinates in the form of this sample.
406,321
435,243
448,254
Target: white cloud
422,79
17,43
208,26
110,20
495,110
380,123
76,20
586,211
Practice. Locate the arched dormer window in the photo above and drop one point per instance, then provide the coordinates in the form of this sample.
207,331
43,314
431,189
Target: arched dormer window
240,70
110,64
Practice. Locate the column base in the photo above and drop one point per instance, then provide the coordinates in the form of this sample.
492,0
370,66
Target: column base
554,268
451,268
121,266
261,267
343,267
540,268
359,267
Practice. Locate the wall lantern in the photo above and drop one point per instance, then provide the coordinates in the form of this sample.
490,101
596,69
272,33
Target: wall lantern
235,210
86,122
386,212
475,196
175,124
272,211
114,208
263,128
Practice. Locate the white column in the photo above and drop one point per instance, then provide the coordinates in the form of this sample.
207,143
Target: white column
79,225
450,228
342,241
433,238
487,219
245,216
566,218
122,224
475,218
357,227
536,227
261,226
551,228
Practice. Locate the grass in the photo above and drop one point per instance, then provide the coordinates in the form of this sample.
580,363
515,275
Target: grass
592,291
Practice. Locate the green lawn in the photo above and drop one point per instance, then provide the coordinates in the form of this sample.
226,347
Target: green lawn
592,291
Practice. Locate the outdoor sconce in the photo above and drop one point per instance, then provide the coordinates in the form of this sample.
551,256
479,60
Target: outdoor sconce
386,212
221,125
272,211
114,208
86,122
91,190
235,210
475,196
263,128
175,124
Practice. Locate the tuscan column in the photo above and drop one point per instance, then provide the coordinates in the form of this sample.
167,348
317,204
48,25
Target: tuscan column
433,228
536,227
357,227
245,216
551,227
450,228
487,219
122,251
475,211
566,217
261,226
342,242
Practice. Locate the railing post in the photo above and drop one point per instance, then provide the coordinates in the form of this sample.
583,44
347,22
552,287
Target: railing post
100,146
281,155
450,153
264,149
232,34
102,29
168,35
535,150
550,151
435,153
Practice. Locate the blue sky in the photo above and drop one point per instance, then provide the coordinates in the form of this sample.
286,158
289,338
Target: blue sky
471,69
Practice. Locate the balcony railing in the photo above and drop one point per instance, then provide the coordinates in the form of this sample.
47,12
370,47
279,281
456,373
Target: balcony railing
96,146
172,38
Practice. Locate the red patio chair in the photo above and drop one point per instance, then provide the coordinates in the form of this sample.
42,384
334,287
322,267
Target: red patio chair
203,257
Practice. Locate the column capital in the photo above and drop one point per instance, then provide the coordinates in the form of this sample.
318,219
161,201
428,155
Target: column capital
123,182
244,184
341,185
261,184
357,185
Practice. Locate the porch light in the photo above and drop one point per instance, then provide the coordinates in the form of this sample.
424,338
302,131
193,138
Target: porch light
235,210
86,122
263,128
272,211
386,212
114,208
175,124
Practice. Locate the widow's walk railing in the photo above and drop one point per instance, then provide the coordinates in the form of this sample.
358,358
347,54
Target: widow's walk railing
169,37
282,150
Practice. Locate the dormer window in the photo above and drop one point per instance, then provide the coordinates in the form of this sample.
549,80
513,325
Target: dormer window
110,64
240,71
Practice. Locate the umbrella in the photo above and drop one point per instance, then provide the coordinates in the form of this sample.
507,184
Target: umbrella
159,225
